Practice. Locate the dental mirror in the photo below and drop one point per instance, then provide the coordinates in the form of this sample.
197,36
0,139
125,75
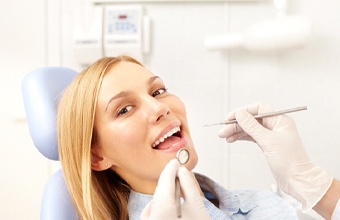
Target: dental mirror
182,156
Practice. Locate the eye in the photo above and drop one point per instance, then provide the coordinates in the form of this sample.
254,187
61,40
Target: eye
159,91
124,110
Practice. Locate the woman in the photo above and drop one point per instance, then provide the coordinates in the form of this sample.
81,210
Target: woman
118,127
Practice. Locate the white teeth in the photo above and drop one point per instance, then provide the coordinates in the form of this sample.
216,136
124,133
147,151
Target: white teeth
169,134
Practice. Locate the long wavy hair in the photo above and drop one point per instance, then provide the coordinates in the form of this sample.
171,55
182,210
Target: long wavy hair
96,195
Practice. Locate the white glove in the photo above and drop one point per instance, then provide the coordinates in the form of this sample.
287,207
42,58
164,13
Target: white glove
163,205
277,136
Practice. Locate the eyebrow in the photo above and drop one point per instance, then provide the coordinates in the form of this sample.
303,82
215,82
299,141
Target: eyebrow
126,93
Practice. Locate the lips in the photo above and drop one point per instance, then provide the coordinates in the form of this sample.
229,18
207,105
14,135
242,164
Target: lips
168,140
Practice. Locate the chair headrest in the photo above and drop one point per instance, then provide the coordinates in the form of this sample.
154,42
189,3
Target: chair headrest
41,91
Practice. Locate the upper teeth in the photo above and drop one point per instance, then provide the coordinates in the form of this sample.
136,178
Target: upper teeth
170,133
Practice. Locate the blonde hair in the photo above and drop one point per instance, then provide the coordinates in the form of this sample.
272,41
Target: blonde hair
96,195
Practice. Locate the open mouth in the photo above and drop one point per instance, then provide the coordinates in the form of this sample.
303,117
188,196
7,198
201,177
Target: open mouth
168,140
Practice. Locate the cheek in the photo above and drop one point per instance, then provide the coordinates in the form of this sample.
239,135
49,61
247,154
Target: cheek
121,140
179,110
178,107
193,159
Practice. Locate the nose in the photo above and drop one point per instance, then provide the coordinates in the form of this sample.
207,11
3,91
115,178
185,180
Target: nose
156,109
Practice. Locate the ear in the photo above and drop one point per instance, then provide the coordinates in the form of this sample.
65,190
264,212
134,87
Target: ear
97,162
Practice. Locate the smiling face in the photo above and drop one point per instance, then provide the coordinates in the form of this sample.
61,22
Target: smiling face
139,126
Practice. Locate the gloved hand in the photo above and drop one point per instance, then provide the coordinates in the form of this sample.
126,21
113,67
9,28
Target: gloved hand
163,205
279,140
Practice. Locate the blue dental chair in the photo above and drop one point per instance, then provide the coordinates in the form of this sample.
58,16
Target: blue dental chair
41,90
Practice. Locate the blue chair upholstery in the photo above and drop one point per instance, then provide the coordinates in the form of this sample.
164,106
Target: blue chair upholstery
41,91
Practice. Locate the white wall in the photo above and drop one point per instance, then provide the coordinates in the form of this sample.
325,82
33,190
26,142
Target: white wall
22,48
210,83
308,76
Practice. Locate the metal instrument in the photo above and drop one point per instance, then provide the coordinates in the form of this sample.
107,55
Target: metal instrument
270,114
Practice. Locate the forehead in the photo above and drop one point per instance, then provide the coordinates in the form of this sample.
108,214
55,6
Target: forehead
125,74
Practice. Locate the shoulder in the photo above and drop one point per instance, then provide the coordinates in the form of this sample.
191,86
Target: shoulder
248,204
266,204
257,194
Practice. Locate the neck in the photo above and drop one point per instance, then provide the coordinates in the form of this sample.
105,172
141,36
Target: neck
149,187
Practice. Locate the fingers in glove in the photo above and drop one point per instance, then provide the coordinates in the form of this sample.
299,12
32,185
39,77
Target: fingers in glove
253,109
229,130
166,184
250,125
233,132
240,136
146,211
188,185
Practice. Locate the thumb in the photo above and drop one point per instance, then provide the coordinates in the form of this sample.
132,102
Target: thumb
146,211
188,186
250,125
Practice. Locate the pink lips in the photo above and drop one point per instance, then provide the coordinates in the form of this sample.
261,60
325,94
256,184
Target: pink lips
171,146
168,140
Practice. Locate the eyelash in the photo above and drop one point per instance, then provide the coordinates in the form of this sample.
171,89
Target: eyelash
125,109
162,88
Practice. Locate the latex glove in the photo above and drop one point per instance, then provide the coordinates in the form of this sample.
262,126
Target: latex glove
279,140
163,205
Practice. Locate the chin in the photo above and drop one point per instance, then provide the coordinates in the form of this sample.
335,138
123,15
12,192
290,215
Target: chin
192,163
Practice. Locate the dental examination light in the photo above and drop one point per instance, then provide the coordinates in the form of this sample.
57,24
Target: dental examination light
282,33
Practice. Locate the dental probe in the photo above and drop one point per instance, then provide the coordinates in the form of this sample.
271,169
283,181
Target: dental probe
270,114
182,157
